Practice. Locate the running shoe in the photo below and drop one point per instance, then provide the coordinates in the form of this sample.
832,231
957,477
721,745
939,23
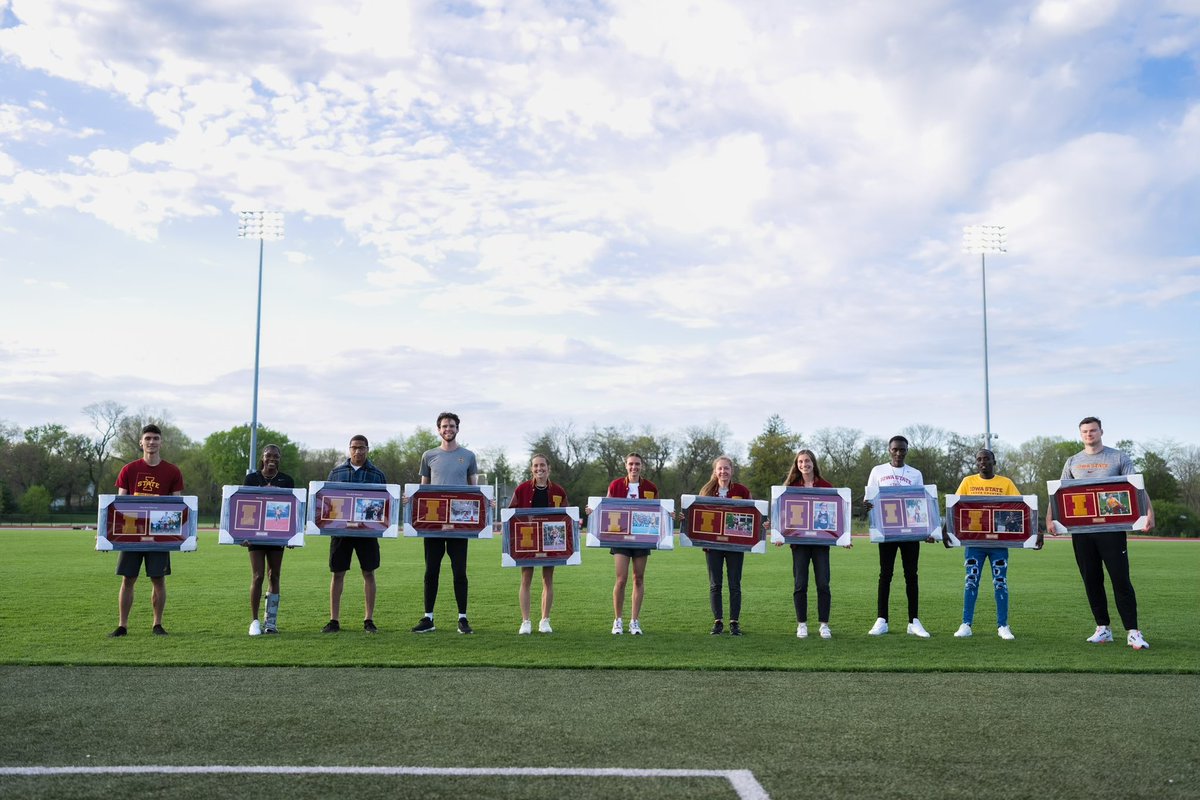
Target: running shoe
915,628
879,628
464,626
718,628
544,626
824,631
424,625
617,629
1103,635
964,631
256,628
1137,641
1005,633
801,630
635,628
525,629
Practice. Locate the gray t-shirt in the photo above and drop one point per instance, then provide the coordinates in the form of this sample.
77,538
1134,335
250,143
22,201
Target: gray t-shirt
1108,463
448,467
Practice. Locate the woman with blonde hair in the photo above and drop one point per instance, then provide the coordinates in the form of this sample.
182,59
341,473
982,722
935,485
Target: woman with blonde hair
721,485
805,472
538,492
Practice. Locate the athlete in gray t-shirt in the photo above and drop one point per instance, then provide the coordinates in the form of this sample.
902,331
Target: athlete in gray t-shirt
448,467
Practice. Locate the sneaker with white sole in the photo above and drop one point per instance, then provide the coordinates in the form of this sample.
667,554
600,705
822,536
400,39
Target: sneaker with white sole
879,628
525,629
256,628
617,629
1005,633
1103,635
1137,641
544,626
635,628
915,628
963,631
802,630
824,631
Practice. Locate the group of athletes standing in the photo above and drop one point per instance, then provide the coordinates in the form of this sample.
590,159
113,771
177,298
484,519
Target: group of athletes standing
453,465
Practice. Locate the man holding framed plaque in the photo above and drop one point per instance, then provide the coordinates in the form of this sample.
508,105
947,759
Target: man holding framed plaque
149,475
357,468
448,464
897,473
1096,552
985,483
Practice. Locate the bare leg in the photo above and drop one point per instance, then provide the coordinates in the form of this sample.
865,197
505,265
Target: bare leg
125,600
622,566
158,597
639,585
257,565
547,592
274,565
335,595
369,593
523,592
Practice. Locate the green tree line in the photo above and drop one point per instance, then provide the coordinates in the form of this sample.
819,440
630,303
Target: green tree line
47,466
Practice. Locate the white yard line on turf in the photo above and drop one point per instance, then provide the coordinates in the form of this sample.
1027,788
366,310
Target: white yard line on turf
742,780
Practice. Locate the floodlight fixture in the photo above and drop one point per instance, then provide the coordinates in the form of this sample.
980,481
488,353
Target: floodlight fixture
985,240
264,226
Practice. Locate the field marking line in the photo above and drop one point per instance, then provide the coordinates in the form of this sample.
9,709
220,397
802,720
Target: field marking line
743,781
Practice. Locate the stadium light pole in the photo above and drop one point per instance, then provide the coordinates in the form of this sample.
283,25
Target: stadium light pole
264,226
985,239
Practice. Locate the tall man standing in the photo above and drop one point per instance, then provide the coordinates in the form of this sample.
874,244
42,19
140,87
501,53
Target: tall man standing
357,468
152,476
897,473
448,464
1095,552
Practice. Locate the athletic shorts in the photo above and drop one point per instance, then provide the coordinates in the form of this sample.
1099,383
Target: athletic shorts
632,552
365,547
265,547
158,563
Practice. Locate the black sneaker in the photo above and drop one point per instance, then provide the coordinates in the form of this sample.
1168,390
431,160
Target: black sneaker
159,630
333,626
464,626
718,628
734,628
120,631
369,626
425,625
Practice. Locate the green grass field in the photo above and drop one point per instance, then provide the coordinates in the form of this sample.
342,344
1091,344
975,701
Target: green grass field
1044,716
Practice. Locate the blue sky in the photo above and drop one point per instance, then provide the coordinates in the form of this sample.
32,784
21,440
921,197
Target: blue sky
618,213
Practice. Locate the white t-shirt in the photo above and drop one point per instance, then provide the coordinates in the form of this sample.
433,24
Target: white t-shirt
887,475
633,491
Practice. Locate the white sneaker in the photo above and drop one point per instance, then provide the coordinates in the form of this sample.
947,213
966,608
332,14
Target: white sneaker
802,630
963,631
1137,641
525,629
1102,635
824,631
617,628
544,626
635,628
1005,633
879,628
915,628
256,628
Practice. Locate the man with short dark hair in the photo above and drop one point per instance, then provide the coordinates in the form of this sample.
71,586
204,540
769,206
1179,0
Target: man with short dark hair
897,473
149,475
357,468
1096,552
448,464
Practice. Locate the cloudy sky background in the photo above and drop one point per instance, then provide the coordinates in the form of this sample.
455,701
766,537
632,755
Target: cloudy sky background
616,213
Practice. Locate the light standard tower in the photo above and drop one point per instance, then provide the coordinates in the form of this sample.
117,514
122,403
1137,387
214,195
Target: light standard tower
261,225
985,239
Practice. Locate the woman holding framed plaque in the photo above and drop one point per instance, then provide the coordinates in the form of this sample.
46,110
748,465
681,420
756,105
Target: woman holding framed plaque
632,486
263,557
538,492
721,484
805,472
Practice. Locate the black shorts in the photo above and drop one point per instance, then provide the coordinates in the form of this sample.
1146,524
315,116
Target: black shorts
265,547
158,563
365,547
632,552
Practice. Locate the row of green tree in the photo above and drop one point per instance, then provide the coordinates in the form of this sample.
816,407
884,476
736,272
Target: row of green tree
47,467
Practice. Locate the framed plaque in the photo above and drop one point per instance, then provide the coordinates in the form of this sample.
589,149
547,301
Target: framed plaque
720,523
810,515
992,520
146,522
539,537
619,522
262,515
1098,505
904,513
448,512
336,508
